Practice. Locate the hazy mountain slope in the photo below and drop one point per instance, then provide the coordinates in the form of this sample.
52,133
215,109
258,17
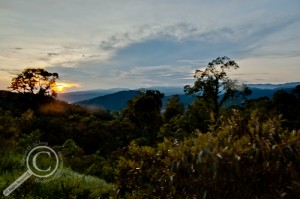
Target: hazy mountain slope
274,86
115,101
85,95
89,94
112,102
78,96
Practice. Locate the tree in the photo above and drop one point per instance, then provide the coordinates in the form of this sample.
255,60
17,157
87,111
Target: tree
287,104
173,107
296,91
144,112
35,81
213,82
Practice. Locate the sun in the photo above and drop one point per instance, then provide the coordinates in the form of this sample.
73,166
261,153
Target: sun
59,88
62,86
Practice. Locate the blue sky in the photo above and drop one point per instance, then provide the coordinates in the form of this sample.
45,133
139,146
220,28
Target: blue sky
116,43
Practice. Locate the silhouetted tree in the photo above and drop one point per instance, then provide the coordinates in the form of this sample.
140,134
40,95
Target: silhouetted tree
173,107
35,81
287,104
296,90
214,81
144,112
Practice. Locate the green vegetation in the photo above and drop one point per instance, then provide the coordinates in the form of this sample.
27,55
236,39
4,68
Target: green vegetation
214,148
70,184
224,163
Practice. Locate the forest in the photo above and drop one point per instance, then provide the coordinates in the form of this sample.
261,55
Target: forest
222,145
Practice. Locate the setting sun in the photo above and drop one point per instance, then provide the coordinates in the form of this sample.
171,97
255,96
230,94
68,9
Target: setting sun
61,86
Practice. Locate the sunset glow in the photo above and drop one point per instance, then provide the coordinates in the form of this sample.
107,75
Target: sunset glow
62,86
149,43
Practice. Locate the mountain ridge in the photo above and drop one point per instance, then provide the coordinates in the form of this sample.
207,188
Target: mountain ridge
274,86
77,96
114,101
118,100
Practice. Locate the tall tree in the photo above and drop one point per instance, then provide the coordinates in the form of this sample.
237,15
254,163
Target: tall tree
35,81
144,112
214,81
174,107
296,91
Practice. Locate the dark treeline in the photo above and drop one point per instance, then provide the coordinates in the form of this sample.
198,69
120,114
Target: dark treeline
214,148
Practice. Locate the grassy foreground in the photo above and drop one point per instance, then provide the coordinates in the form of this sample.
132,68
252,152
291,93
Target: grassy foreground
68,184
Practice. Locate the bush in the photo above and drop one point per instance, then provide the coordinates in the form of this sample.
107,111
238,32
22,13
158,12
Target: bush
262,162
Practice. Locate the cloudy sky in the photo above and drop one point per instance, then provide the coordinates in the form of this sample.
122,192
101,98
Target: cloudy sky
134,43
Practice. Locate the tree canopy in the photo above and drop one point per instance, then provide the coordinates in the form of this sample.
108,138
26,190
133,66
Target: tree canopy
213,81
35,81
144,112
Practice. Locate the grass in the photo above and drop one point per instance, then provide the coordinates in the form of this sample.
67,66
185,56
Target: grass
68,184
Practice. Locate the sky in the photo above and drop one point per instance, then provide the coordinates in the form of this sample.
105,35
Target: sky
101,44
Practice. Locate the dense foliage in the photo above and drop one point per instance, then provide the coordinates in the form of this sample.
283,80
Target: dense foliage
248,150
225,163
35,80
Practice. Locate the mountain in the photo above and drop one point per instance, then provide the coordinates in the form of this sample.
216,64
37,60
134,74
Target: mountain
274,86
113,102
257,92
118,100
262,90
76,96
170,90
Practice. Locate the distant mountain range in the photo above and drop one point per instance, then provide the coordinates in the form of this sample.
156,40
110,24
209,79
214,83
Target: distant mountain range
77,96
274,86
88,94
116,99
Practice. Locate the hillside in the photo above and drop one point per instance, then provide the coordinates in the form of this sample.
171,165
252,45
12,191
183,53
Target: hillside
84,97
274,86
117,101
17,102
140,145
76,96
113,102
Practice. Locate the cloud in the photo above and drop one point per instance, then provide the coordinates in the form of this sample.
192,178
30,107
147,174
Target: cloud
10,71
52,54
165,45
251,74
157,72
156,55
175,32
148,42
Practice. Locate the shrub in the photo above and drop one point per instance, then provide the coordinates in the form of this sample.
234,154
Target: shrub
262,162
